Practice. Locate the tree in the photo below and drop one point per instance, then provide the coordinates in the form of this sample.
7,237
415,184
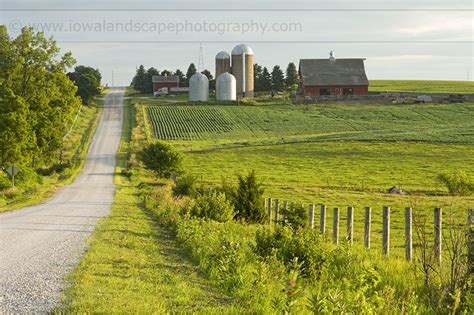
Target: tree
162,159
257,72
182,78
191,71
266,80
278,78
87,80
291,75
248,199
149,79
138,82
166,73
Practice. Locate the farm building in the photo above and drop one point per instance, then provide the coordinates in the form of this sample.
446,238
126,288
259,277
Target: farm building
320,77
161,81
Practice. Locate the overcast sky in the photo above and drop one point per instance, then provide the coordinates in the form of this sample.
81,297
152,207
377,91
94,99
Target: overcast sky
400,39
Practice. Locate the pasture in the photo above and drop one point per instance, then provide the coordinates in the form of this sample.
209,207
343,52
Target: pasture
422,86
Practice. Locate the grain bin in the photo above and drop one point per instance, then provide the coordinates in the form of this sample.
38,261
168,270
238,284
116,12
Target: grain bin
242,68
222,63
226,87
198,88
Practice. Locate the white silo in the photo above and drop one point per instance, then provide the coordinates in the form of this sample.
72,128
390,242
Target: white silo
226,87
222,63
242,68
198,88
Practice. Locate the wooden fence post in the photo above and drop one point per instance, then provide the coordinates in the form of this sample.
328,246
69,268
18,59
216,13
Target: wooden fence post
277,209
350,225
409,233
283,214
269,209
368,219
322,220
311,216
335,226
470,239
386,231
438,228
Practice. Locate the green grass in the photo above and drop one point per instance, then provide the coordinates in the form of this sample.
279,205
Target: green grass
199,127
75,149
133,264
420,86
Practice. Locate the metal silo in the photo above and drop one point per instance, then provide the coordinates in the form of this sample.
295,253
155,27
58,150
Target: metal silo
242,68
226,87
198,88
222,63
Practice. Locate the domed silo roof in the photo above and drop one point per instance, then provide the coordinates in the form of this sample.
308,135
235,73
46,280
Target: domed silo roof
198,88
222,55
226,89
242,49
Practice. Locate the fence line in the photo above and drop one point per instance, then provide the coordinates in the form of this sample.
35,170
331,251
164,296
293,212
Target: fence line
278,214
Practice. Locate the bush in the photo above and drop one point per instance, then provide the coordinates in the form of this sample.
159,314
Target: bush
185,186
213,206
458,184
296,216
248,199
162,159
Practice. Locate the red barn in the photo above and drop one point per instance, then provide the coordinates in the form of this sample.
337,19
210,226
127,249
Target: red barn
320,77
161,81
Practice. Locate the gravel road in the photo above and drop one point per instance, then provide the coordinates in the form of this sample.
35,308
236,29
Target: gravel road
40,245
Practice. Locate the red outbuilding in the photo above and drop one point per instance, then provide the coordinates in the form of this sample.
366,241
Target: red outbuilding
321,77
161,81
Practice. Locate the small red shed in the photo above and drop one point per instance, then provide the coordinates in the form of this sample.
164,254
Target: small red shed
161,81
320,77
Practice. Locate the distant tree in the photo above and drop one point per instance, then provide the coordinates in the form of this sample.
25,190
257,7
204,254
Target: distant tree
87,80
149,79
161,158
138,82
266,80
166,73
257,72
182,78
208,74
212,82
278,79
191,71
291,75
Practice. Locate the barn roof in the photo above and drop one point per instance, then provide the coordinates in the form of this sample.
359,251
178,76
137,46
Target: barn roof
163,78
333,72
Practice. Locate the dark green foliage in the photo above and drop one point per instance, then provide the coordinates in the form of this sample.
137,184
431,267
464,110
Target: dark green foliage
458,184
166,73
138,82
213,206
161,158
191,71
87,80
278,79
291,75
182,78
185,186
149,79
265,83
248,199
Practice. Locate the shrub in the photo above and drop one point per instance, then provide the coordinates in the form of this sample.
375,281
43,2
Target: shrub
162,159
458,184
213,206
296,216
248,199
185,186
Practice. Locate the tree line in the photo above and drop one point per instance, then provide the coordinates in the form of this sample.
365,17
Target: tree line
277,80
38,98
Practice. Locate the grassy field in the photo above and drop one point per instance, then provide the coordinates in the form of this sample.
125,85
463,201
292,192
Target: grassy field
339,155
75,148
420,86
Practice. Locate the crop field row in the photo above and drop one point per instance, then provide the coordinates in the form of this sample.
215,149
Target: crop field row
208,125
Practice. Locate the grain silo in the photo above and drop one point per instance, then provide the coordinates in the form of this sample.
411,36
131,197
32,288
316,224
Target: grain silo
242,68
222,63
226,87
198,88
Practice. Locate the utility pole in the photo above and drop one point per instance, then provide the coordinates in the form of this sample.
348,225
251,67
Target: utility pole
113,84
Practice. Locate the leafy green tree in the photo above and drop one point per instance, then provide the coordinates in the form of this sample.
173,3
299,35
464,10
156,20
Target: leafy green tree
278,79
248,199
162,159
138,82
191,71
257,72
291,75
212,82
182,78
87,80
266,80
149,79
166,73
